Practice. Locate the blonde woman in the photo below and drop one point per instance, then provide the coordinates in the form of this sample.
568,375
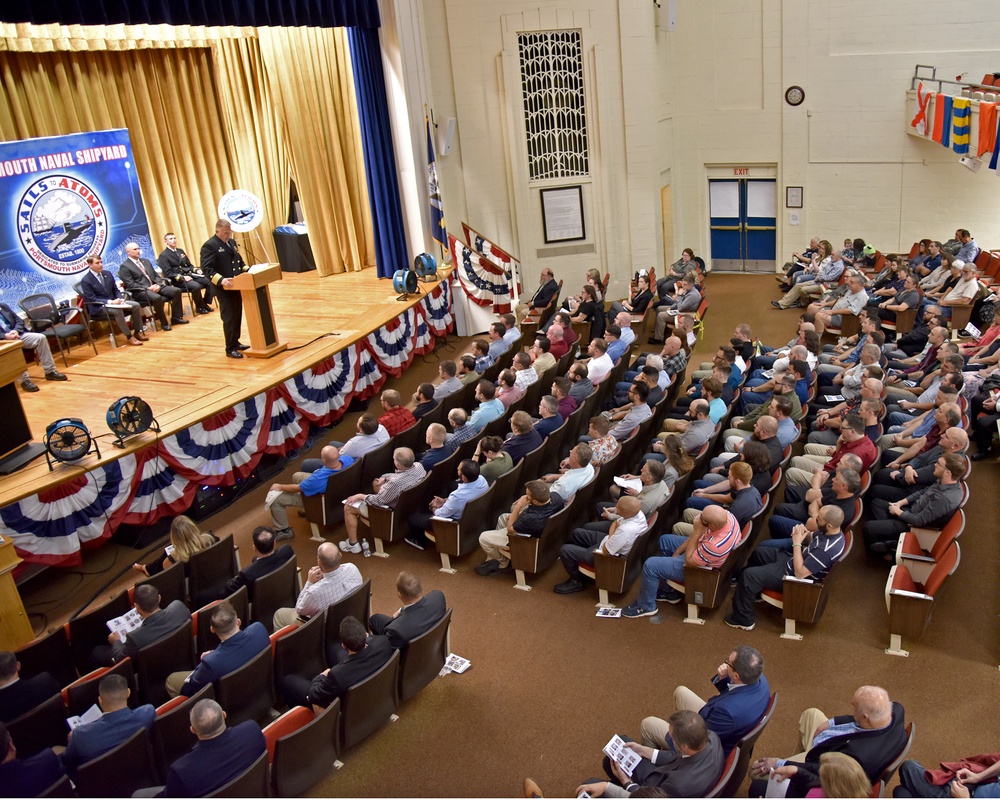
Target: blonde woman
186,539
841,776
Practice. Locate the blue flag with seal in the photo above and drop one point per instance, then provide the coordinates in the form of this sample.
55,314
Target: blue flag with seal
438,230
64,199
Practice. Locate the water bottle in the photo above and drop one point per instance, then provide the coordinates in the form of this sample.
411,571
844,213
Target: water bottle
114,342
365,549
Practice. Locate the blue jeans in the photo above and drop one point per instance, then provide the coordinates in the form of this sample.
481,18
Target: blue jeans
661,568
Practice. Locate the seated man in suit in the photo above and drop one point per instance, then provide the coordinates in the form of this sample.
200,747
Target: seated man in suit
178,269
117,723
222,753
691,769
418,614
26,777
265,561
743,695
328,581
19,695
547,288
236,648
149,288
104,301
12,329
873,734
156,623
365,655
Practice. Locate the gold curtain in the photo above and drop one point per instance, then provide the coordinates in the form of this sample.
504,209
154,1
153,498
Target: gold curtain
311,79
165,98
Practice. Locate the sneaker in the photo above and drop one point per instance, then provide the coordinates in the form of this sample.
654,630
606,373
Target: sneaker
776,304
635,610
412,541
568,587
488,567
669,595
283,533
730,620
347,547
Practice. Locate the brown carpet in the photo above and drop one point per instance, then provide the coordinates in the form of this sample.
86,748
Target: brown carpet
550,683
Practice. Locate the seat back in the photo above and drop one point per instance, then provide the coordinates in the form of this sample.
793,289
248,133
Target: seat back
388,525
728,770
61,788
338,486
304,757
210,570
246,693
376,462
461,537
301,651
82,694
275,590
50,653
156,661
532,461
169,583
357,604
554,444
87,631
369,704
616,574
41,309
441,475
746,745
505,489
411,437
204,638
893,765
44,726
120,771
252,782
423,658
537,554
172,736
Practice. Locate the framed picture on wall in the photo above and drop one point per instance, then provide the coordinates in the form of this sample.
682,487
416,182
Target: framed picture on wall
562,214
793,197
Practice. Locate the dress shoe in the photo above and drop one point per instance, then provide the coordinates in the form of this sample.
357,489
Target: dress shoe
134,342
234,354
179,322
204,310
167,328
568,587
141,336
982,455
242,346
28,386
55,376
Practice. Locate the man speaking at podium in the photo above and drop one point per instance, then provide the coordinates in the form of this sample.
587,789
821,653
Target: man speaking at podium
220,262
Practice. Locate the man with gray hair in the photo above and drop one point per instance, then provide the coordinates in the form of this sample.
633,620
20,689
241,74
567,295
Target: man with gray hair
386,491
328,581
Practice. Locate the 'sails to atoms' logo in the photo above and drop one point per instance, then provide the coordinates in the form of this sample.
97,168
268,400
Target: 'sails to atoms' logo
61,221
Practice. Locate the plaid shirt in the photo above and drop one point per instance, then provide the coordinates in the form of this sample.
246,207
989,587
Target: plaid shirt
333,586
483,363
395,484
396,420
675,364
604,449
523,378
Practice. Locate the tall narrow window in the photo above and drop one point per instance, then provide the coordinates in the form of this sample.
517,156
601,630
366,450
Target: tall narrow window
555,117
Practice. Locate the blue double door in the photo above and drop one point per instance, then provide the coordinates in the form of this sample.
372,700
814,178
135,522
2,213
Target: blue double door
743,224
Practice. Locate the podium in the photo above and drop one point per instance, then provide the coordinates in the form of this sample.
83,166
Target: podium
15,628
16,447
257,307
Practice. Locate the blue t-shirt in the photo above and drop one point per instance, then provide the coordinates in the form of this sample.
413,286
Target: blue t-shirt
316,483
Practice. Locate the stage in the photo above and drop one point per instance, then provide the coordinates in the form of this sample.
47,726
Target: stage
345,335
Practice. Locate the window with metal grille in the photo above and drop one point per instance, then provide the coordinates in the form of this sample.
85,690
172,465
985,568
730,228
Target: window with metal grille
555,116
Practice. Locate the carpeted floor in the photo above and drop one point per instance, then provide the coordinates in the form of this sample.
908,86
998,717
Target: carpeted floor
550,682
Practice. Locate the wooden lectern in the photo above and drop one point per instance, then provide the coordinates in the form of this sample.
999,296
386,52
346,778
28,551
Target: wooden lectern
257,306
15,628
16,447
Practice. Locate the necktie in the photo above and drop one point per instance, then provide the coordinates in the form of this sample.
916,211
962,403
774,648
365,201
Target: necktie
142,269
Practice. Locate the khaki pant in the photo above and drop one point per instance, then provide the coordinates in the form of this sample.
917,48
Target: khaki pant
285,500
809,721
655,730
284,617
494,543
175,682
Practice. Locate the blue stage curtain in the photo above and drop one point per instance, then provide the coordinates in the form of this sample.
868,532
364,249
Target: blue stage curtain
250,13
380,160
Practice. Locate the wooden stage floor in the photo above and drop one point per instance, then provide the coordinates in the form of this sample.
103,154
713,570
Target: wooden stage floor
184,374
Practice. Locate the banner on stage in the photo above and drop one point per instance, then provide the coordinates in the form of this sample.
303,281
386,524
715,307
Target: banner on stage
65,198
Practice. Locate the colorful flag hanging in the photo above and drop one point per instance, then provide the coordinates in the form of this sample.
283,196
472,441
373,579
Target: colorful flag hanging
942,119
920,121
438,230
987,127
960,116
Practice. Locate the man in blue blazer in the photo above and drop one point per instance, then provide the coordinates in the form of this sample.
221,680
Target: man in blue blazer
742,699
236,648
104,301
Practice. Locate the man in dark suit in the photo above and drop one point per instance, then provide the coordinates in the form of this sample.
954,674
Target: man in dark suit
26,777
546,290
221,754
742,699
419,613
12,329
236,649
220,262
149,288
178,269
873,735
104,301
19,695
266,560
156,623
117,723
365,656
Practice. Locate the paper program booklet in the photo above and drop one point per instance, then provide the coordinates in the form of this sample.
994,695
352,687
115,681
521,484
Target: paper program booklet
125,624
621,754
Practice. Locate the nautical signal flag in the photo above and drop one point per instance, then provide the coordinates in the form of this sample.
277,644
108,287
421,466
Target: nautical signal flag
438,230
960,116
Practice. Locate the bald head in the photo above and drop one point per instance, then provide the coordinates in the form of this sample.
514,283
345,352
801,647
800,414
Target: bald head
768,426
872,707
623,320
955,440
330,455
714,517
628,506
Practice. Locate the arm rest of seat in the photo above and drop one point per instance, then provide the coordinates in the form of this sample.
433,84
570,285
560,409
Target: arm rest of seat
446,535
609,572
524,552
380,522
315,508
701,586
803,599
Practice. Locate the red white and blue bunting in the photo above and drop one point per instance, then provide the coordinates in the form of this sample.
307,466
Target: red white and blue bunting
161,479
485,283
493,252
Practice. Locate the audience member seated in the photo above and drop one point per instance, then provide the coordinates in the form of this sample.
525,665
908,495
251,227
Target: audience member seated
810,284
364,656
541,297
386,490
740,498
370,436
525,437
817,456
489,409
327,581
507,390
583,386
972,776
741,699
470,486
696,433
630,416
436,438
116,724
156,623
449,384
236,648
603,445
12,329
419,613
511,332
493,460
467,370
558,346
561,391
26,777
462,430
585,543
304,484
524,375
527,517
20,695
688,298
265,560
575,472
946,416
423,401
599,364
636,304
873,734
802,507
831,310
617,347
812,556
541,358
496,346
396,418
186,539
